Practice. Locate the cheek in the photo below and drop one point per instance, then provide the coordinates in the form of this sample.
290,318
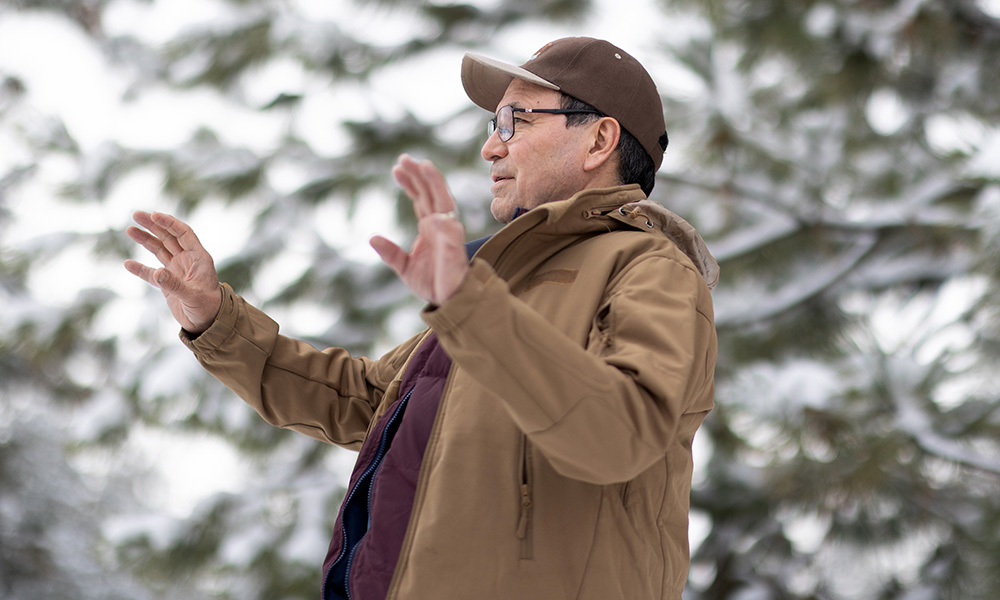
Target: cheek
537,168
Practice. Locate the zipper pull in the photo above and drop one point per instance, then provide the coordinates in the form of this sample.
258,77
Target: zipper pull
522,525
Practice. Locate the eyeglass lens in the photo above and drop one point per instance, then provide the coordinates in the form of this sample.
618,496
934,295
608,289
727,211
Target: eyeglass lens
503,123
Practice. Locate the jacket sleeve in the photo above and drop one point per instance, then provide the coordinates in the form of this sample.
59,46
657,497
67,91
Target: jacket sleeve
327,395
605,413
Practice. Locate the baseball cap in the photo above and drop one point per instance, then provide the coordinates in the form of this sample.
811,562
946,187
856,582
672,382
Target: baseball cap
594,71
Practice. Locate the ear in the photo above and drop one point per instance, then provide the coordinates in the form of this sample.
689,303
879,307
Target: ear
606,132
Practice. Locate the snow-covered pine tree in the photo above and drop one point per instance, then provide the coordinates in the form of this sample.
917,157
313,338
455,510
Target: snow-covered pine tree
840,157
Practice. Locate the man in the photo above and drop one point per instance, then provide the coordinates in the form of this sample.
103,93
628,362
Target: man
535,441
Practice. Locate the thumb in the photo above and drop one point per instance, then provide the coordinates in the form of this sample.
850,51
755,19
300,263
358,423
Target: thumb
390,253
165,280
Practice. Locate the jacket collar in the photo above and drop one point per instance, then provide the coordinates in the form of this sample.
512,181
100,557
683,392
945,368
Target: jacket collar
617,207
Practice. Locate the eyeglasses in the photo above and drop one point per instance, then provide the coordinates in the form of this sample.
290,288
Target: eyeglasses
503,121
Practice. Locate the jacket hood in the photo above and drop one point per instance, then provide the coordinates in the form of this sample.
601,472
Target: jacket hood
678,231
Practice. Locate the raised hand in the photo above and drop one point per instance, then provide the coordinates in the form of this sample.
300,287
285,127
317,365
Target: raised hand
187,279
438,263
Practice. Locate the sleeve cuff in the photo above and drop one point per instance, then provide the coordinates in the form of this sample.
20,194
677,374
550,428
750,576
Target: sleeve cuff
220,330
480,279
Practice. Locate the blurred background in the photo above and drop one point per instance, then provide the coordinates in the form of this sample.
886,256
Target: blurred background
841,158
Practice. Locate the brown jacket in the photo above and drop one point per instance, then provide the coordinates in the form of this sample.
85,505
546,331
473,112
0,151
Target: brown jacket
559,466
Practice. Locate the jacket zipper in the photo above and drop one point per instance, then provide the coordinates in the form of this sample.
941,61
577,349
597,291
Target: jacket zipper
370,474
421,483
524,522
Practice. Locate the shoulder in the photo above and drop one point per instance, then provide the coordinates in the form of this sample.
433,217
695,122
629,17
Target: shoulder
633,248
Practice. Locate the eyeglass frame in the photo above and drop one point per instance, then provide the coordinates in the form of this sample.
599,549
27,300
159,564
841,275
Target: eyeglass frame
493,126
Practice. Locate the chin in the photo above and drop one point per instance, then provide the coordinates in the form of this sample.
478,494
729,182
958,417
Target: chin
502,211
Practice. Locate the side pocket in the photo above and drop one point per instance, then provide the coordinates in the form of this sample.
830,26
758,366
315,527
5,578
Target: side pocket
601,328
524,522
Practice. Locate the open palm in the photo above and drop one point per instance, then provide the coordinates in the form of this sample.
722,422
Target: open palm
436,265
187,278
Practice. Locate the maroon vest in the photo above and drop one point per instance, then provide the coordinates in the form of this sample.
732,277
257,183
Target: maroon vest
373,518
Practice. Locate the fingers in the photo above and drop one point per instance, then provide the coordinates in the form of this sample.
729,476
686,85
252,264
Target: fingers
440,195
150,243
158,278
180,231
154,277
425,185
138,269
405,172
172,234
145,219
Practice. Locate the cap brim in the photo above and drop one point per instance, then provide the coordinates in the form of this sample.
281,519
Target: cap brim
486,80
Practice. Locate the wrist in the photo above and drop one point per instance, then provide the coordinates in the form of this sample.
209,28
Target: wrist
213,308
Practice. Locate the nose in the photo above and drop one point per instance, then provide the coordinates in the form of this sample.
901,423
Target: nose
493,148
